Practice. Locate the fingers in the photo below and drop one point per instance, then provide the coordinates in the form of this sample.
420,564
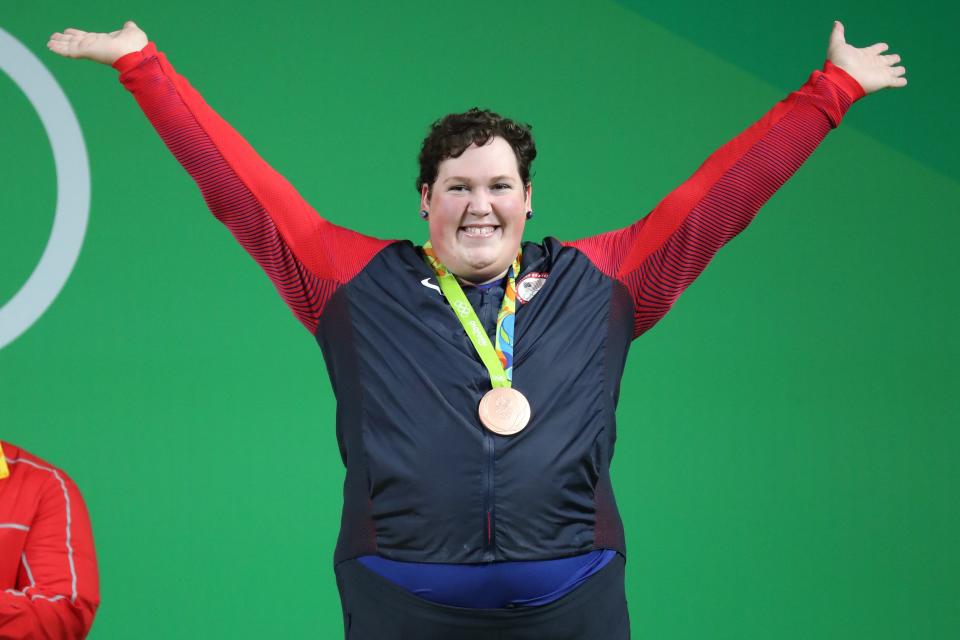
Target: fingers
65,44
891,59
69,35
836,36
60,42
896,77
60,47
879,47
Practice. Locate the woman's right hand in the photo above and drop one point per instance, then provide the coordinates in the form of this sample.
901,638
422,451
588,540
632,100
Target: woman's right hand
104,48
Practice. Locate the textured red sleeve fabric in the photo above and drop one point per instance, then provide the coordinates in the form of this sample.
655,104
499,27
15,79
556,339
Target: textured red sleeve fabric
55,593
658,256
305,256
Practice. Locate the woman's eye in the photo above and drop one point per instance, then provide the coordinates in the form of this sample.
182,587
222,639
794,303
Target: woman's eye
501,185
458,187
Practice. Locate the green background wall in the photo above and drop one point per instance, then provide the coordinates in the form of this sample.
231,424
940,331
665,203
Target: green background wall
787,457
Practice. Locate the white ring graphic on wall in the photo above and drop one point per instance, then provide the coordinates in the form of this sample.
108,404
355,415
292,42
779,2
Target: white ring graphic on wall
73,189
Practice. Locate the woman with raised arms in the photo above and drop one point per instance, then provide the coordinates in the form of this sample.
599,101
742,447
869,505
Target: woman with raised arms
477,375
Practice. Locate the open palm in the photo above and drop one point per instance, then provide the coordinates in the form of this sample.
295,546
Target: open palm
868,66
99,47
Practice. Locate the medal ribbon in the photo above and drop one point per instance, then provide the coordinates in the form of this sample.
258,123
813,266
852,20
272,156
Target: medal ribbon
499,360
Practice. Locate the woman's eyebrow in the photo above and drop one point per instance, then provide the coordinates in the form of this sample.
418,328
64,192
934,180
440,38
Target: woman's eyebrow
501,178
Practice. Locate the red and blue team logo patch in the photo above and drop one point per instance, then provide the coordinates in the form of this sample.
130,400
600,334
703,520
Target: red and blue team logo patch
529,285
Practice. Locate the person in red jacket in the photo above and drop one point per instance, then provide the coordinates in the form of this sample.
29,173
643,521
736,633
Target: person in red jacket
49,586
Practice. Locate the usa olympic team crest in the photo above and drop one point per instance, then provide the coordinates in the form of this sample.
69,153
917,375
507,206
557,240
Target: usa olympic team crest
529,285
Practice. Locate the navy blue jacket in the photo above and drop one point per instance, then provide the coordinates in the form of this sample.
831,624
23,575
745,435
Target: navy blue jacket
425,481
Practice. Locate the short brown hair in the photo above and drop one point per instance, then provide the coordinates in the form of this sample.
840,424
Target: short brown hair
450,136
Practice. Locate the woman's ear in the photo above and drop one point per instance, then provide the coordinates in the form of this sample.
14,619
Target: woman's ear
528,197
425,197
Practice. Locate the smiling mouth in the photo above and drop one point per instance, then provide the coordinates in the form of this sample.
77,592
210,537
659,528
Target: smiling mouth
479,231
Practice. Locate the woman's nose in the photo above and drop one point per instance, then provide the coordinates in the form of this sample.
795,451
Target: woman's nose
479,203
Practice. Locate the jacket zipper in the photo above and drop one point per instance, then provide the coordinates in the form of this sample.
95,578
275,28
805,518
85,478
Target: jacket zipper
489,516
487,311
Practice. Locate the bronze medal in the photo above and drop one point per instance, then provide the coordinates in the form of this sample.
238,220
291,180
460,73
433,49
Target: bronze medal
504,410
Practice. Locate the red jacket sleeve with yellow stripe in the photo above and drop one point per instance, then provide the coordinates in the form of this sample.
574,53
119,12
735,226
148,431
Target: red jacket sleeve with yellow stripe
658,256
48,569
306,257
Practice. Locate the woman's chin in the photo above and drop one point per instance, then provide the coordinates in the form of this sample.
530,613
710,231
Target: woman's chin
479,259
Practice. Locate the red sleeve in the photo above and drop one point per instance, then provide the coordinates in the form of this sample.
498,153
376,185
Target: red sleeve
57,589
657,257
305,256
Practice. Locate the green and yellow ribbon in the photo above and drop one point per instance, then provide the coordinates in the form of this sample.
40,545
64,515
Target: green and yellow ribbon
499,359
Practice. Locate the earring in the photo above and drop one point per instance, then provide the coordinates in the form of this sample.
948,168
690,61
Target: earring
424,214
529,214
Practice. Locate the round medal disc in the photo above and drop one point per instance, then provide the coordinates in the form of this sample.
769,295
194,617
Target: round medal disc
504,411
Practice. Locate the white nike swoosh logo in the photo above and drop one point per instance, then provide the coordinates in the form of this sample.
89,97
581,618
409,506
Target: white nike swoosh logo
426,282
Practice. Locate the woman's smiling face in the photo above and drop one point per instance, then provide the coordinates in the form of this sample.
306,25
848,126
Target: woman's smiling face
478,206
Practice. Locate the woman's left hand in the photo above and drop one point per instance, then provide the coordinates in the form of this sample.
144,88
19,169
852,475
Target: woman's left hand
867,66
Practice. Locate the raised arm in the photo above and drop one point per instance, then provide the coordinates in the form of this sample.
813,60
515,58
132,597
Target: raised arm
658,256
305,256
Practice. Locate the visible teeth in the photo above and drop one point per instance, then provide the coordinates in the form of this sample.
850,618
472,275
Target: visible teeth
479,232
